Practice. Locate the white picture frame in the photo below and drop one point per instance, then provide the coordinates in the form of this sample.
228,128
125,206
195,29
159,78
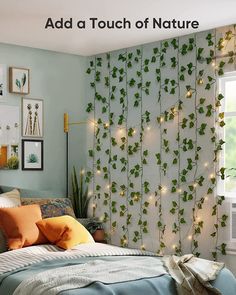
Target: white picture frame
32,118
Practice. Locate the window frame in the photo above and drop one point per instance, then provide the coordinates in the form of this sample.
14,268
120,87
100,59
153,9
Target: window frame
230,76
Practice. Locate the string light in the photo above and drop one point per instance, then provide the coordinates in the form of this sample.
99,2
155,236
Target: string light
82,172
125,241
195,184
190,237
206,164
164,189
148,128
122,193
90,193
98,171
108,186
198,218
142,247
179,190
211,176
189,94
173,246
200,81
106,125
134,131
206,198
161,119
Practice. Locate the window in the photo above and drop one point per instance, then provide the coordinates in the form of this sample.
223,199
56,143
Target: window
228,158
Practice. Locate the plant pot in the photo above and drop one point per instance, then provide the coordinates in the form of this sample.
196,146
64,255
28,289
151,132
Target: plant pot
99,235
85,221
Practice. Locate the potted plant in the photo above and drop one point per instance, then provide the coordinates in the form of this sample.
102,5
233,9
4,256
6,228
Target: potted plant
80,199
95,227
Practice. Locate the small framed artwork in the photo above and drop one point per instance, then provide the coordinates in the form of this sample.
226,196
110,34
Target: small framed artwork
2,81
19,80
32,117
32,154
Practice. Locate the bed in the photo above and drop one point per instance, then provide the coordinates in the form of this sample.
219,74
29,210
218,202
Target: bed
28,263
96,268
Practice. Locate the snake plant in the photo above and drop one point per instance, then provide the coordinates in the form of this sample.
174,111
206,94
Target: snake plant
80,198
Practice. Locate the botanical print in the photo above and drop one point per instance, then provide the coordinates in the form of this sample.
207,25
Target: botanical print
32,117
2,80
9,137
32,154
19,80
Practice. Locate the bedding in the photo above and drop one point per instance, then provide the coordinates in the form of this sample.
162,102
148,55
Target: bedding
32,261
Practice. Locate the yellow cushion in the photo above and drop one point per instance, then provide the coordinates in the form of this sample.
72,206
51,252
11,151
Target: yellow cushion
64,231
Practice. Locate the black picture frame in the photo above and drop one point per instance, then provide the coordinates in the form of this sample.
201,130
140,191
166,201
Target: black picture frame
34,167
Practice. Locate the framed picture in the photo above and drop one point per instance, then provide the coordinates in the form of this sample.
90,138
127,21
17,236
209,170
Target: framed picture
32,117
9,137
32,154
19,80
2,81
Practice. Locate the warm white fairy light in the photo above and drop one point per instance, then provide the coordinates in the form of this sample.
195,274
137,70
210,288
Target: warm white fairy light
122,193
90,193
190,237
134,131
101,218
206,198
164,189
213,64
106,125
125,241
179,190
82,172
195,184
108,186
148,128
161,119
211,176
98,171
198,218
200,81
206,164
189,94
142,247
173,246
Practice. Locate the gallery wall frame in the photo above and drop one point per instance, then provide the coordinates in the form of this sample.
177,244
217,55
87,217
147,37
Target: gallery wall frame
19,80
32,155
9,137
3,81
32,118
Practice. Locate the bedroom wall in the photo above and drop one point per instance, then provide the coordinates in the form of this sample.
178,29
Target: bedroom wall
59,80
154,189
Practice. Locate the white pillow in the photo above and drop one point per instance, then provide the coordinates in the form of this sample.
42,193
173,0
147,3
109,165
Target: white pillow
10,199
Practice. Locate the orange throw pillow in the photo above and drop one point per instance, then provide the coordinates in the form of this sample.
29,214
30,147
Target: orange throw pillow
19,226
64,231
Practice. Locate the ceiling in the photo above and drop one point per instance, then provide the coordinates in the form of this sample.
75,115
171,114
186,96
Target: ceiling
22,22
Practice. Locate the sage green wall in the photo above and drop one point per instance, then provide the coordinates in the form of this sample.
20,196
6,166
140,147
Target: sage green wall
59,80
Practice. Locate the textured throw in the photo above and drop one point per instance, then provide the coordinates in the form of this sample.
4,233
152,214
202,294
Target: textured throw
12,260
193,275
74,277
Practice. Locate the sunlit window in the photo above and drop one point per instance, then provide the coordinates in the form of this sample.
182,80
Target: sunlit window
228,158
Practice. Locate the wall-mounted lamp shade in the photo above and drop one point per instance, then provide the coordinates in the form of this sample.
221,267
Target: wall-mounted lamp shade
66,122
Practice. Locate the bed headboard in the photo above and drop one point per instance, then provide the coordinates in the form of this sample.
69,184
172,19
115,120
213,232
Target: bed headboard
27,193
